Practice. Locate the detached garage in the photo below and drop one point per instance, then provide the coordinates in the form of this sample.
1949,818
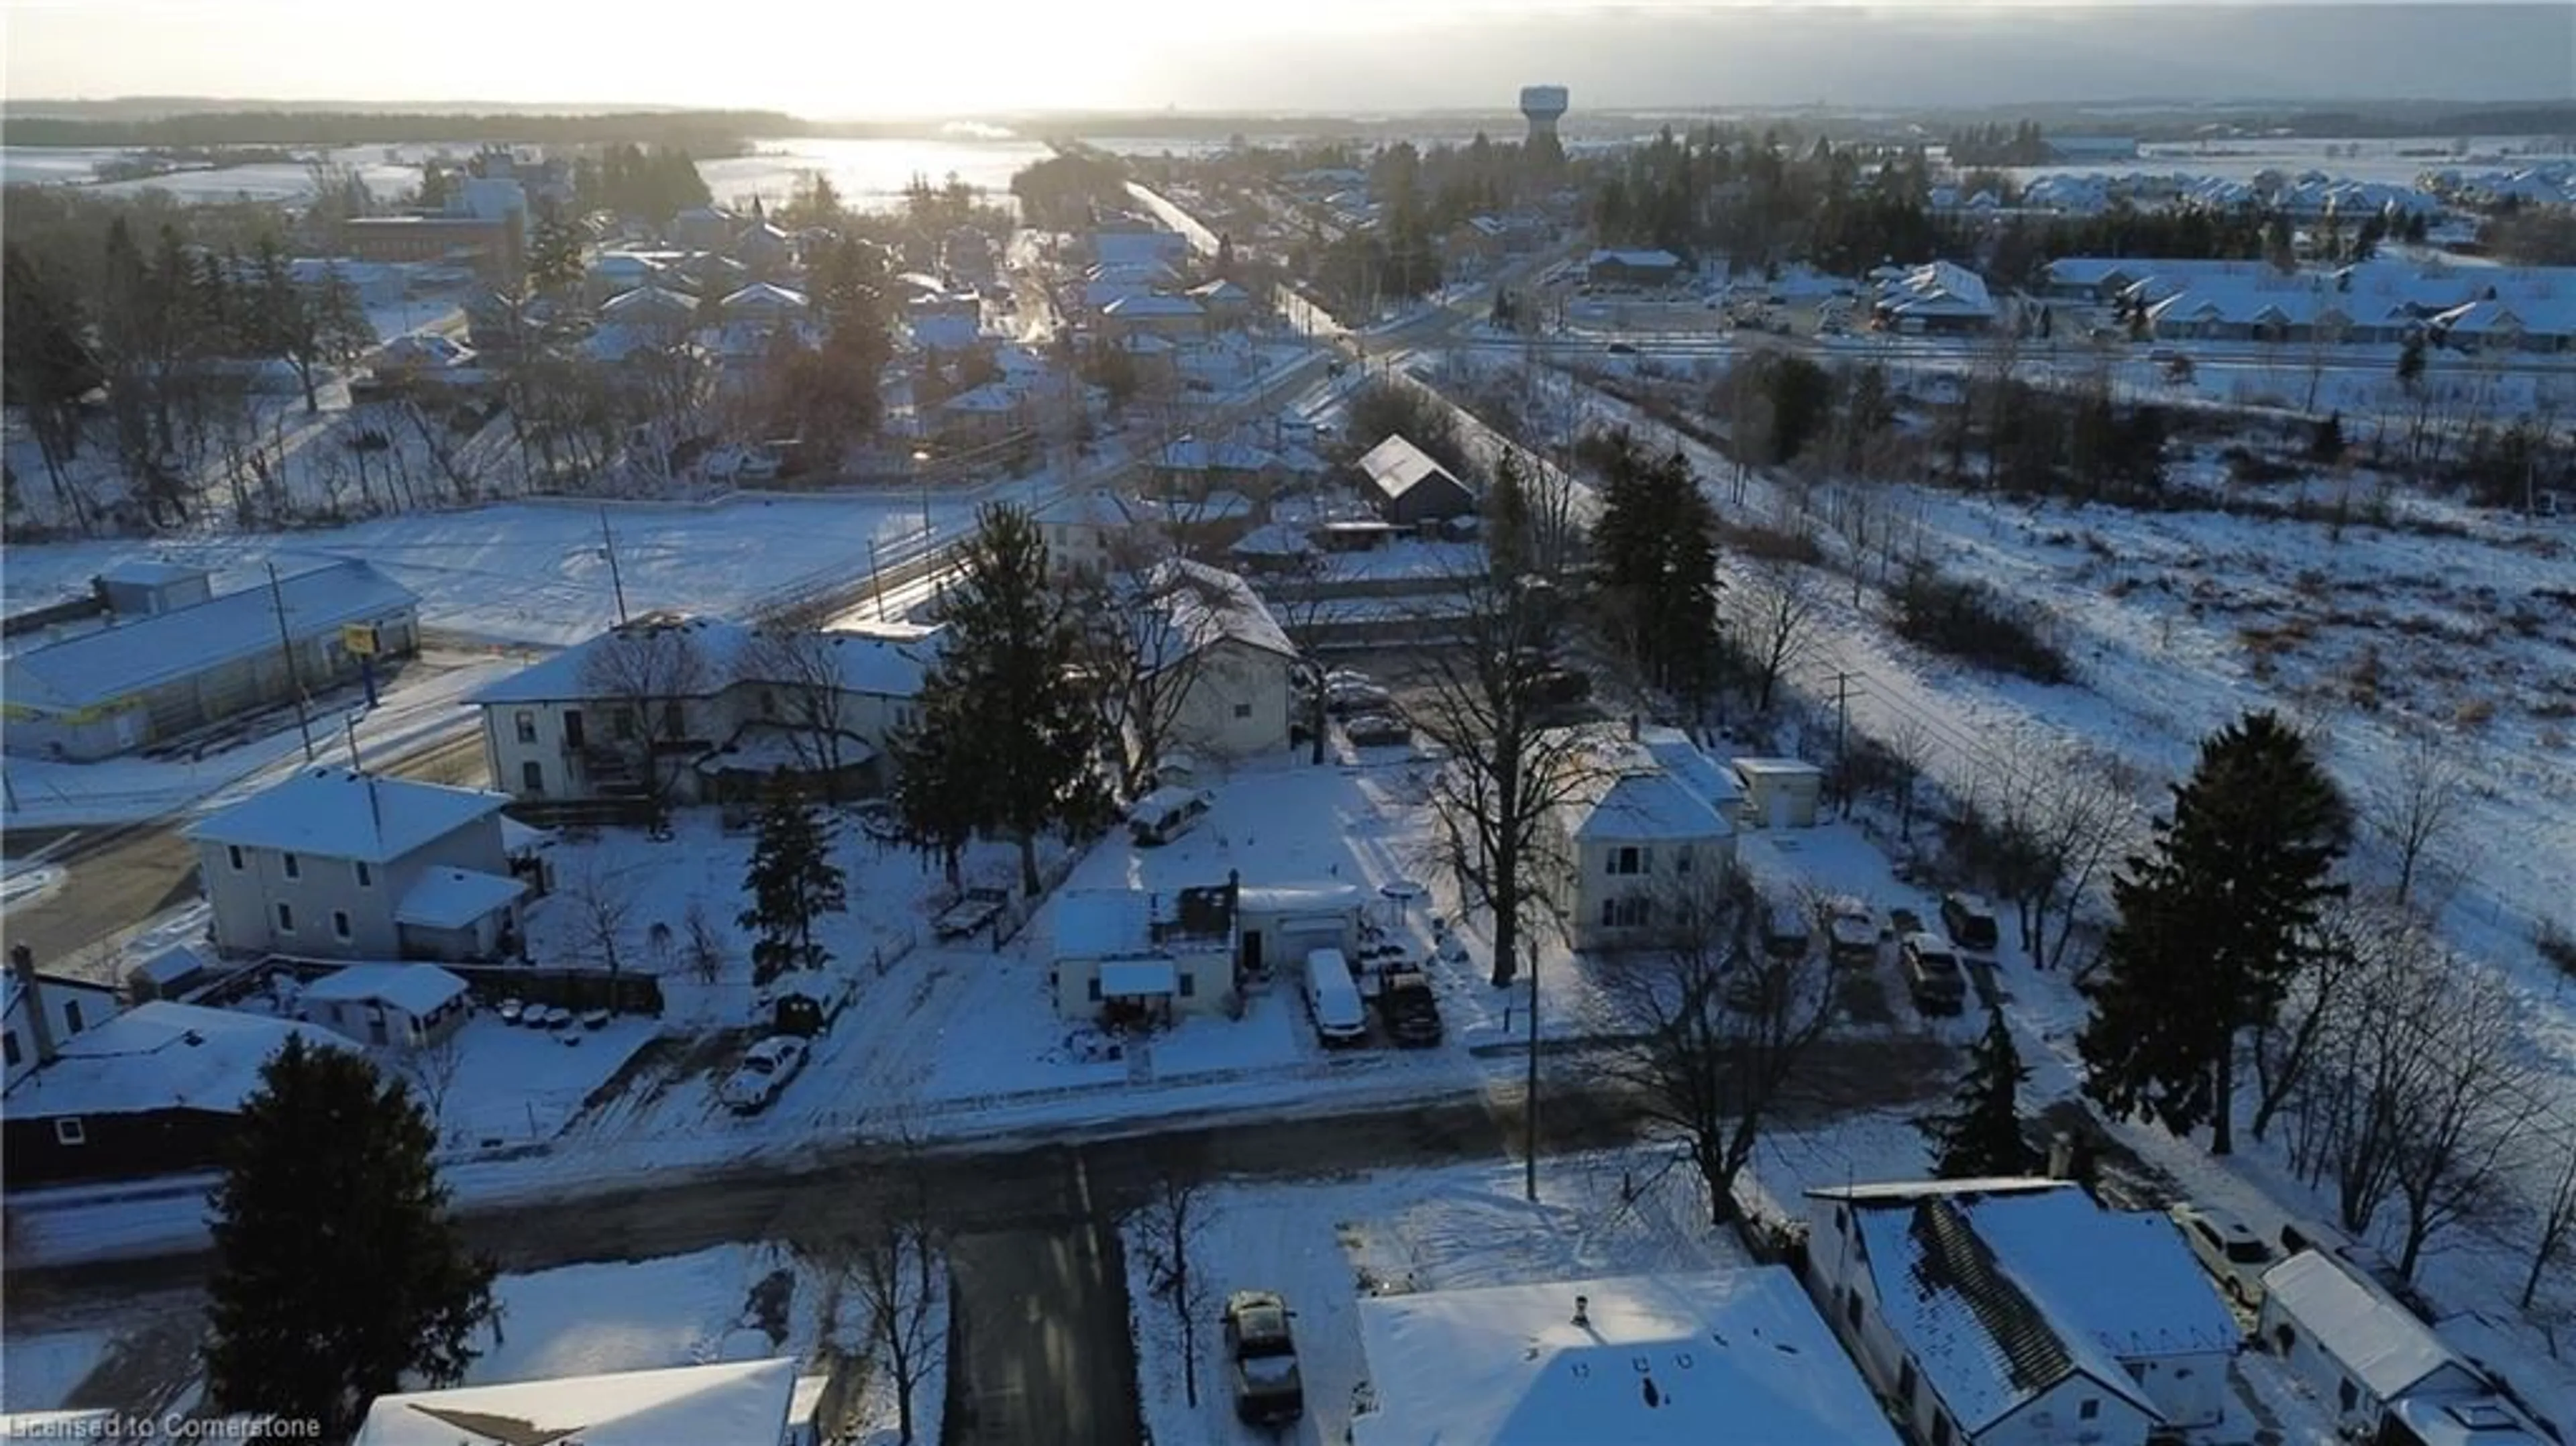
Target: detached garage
1779,792
1281,923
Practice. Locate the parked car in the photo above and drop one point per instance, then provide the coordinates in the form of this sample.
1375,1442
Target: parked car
1932,973
1785,932
1268,1389
1851,931
1408,1008
765,1070
1621,348
1344,699
1971,922
1377,730
2227,1248
1166,814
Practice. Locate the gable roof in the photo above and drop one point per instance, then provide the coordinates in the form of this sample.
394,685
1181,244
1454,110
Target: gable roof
1206,605
128,657
762,295
414,988
1677,1360
1626,794
736,1404
1396,466
158,1056
332,813
1128,308
701,657
2385,1348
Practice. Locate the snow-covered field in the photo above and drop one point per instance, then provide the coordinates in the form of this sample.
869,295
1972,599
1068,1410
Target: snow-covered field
39,1372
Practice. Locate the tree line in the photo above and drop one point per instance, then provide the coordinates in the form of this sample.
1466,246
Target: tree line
714,133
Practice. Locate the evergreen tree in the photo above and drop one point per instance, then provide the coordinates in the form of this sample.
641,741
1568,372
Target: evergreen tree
2410,364
792,881
338,1275
1981,1135
2326,443
1002,713
1654,543
554,259
2213,923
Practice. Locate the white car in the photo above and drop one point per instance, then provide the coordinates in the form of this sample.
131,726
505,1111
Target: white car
764,1071
1851,931
2228,1249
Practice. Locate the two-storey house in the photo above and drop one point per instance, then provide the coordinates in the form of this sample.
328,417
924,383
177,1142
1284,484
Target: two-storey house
1629,840
334,864
670,709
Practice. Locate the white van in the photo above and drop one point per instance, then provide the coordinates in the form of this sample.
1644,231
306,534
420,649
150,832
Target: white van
1166,814
1334,999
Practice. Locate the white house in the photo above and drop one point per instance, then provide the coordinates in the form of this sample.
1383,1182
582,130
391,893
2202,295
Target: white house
1779,792
738,1403
1278,925
341,865
2359,1352
702,708
1086,534
2017,1311
1234,693
1735,1356
407,1006
43,1010
1629,841
1129,955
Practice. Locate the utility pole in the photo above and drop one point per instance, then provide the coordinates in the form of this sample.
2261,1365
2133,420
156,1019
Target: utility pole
1842,739
608,546
349,723
1529,1093
286,646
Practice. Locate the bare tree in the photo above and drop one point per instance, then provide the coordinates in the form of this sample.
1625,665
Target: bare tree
1774,611
2285,1046
705,950
1505,773
1302,602
2477,1097
602,901
1722,1029
1146,645
649,673
887,1251
2557,1223
800,673
2421,810
1909,744
434,1069
1171,1230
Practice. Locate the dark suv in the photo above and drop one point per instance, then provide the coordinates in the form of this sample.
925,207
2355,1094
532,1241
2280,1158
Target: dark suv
1971,922
1268,1391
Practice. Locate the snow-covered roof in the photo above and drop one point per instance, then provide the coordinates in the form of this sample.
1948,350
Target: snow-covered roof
735,1404
1189,454
1145,343
1776,768
2478,1421
1940,288
1129,308
1626,794
158,1056
2001,1293
149,572
1222,290
121,660
1691,766
990,399
764,296
518,838
451,898
645,300
1131,978
1396,466
1205,605
1113,248
2378,1341
1642,260
708,655
415,989
1674,1360
944,333
332,813
1138,924
1299,898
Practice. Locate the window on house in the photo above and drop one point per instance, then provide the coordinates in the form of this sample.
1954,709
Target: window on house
2088,1409
1682,859
1940,1431
1851,1308
233,854
12,1047
768,704
1625,861
532,777
339,923
286,918
1242,710
674,727
621,725
72,1016
1628,913
294,867
526,723
1905,1382
1189,985
2347,1396
69,1131
366,876
1095,988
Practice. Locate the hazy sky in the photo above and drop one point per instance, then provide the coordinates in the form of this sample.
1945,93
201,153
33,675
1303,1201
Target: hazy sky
837,58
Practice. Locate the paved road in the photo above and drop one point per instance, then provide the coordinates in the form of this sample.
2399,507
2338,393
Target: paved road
1042,1355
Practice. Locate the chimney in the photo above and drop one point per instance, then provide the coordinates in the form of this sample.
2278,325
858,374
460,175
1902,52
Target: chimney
1583,1311
1634,724
22,965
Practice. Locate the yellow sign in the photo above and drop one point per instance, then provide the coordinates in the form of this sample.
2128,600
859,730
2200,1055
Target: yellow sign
359,639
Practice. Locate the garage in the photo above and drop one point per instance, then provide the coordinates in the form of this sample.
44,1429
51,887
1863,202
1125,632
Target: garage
1280,924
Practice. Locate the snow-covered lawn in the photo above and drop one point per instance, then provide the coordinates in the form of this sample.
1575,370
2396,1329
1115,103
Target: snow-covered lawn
1324,1245
39,1372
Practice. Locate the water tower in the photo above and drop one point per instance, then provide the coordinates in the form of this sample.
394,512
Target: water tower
1543,105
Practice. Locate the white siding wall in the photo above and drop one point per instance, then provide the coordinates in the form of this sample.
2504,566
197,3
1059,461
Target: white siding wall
1660,878
564,775
1211,988
246,899
1236,705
